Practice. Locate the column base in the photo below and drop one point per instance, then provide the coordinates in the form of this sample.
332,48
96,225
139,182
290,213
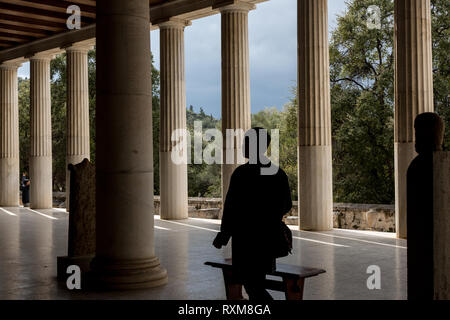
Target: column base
9,182
173,189
41,193
127,274
315,188
404,153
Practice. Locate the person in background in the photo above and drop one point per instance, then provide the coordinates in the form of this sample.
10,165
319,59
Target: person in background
25,187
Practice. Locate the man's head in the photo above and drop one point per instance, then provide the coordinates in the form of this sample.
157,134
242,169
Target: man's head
256,143
429,132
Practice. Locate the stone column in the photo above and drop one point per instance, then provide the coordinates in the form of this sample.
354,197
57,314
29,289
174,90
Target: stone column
413,89
78,143
125,251
41,196
315,160
173,176
9,136
235,83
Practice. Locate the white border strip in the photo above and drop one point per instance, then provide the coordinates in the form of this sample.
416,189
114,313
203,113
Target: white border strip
161,228
216,231
41,214
355,239
191,226
322,242
8,212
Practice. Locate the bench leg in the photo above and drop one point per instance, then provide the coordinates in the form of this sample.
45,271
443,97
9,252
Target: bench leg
294,288
232,288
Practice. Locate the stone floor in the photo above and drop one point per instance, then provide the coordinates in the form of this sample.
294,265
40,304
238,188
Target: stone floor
31,240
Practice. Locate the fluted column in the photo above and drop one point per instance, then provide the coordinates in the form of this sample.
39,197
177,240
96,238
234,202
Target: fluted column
314,118
9,136
41,133
125,253
78,143
173,176
413,89
235,84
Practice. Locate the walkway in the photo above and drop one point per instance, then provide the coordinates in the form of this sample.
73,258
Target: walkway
30,241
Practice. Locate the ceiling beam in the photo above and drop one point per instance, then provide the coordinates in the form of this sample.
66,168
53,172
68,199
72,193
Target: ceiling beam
9,42
20,10
64,4
15,40
59,40
38,23
16,36
28,30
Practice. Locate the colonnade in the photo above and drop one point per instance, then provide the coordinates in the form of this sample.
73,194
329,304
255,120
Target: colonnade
125,248
40,162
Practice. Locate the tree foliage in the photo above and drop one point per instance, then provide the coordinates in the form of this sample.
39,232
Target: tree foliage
440,14
362,94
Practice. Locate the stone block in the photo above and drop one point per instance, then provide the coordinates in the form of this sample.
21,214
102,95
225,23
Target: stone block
441,216
81,240
82,209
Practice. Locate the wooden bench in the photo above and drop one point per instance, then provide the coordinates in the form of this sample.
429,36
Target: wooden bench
292,283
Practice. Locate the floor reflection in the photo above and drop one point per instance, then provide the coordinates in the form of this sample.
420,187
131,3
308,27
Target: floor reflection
30,241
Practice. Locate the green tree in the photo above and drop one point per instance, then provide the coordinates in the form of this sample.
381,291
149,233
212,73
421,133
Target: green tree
156,125
58,77
440,10
361,71
24,123
203,180
289,142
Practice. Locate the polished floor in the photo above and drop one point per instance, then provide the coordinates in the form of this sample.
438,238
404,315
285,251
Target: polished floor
30,241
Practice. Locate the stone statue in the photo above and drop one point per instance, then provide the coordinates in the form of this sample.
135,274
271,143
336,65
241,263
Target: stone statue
82,209
81,240
429,129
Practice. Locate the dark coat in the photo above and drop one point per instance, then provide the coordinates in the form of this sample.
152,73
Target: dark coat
25,190
254,207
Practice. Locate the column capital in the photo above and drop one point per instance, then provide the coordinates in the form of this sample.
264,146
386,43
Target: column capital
45,55
83,46
233,6
10,65
174,23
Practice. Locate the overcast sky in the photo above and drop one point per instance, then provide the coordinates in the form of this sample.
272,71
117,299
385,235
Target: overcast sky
273,55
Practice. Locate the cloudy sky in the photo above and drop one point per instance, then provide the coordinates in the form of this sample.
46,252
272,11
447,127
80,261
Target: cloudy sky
273,55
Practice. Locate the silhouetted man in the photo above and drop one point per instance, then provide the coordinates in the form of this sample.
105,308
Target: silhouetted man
429,138
258,197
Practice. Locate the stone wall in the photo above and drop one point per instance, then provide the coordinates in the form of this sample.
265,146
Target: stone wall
346,216
206,208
